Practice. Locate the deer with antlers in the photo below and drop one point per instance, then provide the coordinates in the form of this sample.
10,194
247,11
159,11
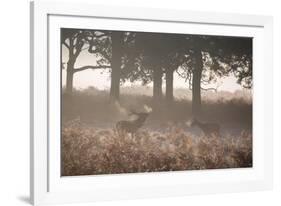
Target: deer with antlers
131,126
209,129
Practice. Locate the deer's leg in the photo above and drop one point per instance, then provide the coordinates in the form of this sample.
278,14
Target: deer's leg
118,129
119,132
218,134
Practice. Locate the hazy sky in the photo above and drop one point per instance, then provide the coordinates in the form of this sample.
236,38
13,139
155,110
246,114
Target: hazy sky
101,78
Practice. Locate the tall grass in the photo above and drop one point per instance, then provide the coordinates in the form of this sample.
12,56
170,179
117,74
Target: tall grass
87,150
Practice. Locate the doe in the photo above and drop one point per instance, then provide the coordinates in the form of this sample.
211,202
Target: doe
209,129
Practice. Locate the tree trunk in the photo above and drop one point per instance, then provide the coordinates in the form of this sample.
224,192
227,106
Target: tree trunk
69,76
116,39
157,84
196,83
169,85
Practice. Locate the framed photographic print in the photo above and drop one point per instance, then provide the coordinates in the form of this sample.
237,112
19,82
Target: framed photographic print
126,105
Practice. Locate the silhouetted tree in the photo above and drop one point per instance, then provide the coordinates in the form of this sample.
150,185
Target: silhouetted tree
215,56
148,56
74,40
149,46
236,55
159,53
109,50
174,59
117,39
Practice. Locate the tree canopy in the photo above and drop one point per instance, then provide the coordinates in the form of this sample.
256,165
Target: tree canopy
151,57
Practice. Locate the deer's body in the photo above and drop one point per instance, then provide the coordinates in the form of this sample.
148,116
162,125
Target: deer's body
133,125
208,129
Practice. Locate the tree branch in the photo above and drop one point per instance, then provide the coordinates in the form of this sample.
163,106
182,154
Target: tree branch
101,35
91,67
105,55
91,50
190,82
66,45
209,89
92,35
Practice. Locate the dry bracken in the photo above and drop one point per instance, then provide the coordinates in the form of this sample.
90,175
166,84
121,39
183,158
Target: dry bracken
87,150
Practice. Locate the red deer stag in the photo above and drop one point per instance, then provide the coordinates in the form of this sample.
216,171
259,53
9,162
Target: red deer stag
132,126
209,129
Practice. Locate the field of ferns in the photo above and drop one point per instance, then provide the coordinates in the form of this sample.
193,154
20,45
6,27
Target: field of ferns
91,145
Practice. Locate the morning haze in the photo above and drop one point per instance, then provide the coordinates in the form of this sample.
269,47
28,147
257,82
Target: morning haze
151,102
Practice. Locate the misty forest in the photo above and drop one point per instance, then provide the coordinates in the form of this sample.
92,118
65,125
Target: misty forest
154,102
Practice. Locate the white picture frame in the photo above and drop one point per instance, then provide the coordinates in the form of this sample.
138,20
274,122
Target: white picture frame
46,184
